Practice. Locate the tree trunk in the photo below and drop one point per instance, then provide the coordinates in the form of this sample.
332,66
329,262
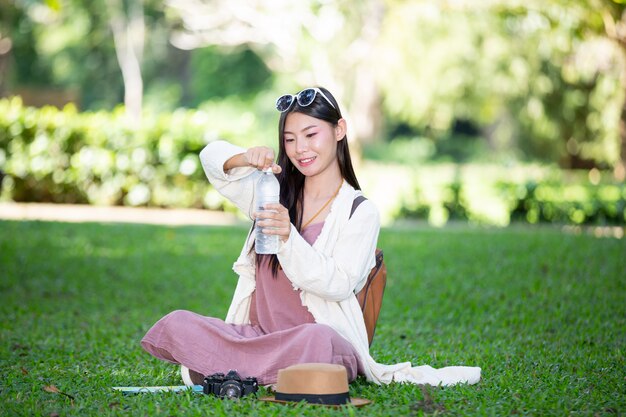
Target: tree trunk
619,172
615,28
366,109
620,167
129,35
366,98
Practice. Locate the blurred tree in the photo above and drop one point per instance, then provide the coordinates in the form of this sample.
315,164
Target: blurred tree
520,70
614,21
548,78
570,112
535,75
59,46
70,45
127,22
586,104
112,51
9,14
217,74
328,43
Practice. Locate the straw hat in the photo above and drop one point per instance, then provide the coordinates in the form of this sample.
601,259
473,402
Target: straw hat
315,383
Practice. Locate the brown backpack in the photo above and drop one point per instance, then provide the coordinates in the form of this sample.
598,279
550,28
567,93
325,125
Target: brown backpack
371,295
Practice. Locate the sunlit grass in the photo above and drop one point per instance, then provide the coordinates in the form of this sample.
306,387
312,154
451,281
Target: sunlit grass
541,311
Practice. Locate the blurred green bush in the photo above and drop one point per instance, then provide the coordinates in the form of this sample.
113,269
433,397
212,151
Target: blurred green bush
63,156
597,204
504,201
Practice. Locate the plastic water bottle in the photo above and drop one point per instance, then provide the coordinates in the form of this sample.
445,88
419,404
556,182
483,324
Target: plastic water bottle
267,191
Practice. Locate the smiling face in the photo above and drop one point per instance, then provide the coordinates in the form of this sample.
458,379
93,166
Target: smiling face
311,144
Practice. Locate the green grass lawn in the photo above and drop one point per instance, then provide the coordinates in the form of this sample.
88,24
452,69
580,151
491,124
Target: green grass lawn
542,312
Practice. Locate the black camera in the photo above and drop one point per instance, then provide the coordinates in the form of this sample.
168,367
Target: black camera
230,385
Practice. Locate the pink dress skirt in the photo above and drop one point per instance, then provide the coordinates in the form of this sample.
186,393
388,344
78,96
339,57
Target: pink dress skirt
282,332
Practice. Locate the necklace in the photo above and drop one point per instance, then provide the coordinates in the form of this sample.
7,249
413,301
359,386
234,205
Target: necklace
323,207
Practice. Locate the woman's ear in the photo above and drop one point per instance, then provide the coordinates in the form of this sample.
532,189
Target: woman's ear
340,129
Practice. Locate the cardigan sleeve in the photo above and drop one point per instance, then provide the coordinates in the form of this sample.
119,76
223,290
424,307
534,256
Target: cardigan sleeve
334,277
238,184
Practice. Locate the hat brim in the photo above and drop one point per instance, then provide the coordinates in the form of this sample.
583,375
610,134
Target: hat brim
357,402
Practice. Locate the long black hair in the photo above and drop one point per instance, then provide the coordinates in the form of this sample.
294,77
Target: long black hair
291,179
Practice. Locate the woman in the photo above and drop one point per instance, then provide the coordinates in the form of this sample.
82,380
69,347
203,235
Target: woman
297,306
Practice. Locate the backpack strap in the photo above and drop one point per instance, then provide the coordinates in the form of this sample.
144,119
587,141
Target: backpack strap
379,252
370,296
356,203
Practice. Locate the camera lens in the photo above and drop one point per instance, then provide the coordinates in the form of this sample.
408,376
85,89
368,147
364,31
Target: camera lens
230,389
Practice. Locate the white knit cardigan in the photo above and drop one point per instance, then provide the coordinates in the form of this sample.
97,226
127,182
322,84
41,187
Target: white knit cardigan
328,273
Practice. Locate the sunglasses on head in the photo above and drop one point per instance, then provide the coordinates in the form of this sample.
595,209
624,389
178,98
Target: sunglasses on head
304,99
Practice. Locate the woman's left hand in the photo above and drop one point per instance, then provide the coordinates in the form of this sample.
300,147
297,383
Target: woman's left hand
275,221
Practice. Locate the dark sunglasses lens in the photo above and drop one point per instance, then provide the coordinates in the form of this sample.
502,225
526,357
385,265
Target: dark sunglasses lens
283,103
306,97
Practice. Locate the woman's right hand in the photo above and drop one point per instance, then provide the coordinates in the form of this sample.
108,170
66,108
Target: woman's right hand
261,157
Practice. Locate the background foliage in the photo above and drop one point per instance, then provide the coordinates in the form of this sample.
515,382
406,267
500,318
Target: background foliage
63,156
445,85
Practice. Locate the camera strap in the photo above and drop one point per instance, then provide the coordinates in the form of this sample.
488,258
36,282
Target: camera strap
169,388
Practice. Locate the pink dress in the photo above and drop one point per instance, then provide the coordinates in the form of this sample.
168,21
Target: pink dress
281,333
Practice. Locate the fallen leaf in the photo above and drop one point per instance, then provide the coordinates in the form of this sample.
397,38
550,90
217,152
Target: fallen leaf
24,371
54,390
